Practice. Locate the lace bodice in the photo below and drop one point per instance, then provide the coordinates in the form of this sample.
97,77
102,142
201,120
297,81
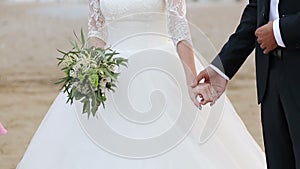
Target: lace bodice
102,11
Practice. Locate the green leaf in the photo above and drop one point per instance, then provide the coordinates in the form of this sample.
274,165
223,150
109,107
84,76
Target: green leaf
82,38
70,98
75,35
62,52
78,95
124,64
94,110
72,43
103,104
86,107
108,73
113,90
110,57
61,80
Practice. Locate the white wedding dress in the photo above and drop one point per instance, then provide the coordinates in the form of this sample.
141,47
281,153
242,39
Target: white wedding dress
149,122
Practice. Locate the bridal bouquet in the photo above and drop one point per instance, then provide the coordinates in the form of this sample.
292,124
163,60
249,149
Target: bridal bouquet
90,73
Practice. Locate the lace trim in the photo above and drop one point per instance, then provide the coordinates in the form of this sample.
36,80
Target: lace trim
96,23
177,24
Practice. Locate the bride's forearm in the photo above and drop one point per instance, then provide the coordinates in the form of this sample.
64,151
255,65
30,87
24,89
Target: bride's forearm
186,55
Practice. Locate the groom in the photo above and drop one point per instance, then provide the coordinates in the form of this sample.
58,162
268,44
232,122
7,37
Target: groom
272,27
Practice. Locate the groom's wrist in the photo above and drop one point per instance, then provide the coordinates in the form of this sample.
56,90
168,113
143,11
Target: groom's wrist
217,70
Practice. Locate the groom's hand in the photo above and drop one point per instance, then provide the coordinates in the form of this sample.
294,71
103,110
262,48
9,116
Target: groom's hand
265,37
211,88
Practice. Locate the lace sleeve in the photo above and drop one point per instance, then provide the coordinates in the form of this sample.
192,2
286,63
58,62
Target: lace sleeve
177,24
96,23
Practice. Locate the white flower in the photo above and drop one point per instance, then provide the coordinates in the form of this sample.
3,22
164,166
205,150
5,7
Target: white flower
103,83
72,73
114,68
86,63
67,60
73,56
77,67
108,79
93,64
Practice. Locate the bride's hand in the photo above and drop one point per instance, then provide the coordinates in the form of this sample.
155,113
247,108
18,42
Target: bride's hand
193,96
212,88
201,93
96,42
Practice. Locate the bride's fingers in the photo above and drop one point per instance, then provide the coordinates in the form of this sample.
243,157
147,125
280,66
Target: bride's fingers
204,91
195,100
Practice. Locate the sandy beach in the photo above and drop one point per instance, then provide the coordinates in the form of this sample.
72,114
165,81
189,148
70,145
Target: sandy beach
29,36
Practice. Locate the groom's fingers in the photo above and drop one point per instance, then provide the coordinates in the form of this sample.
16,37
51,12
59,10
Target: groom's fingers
265,37
199,77
207,97
262,46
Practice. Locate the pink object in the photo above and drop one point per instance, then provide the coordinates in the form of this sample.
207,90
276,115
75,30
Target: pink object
2,130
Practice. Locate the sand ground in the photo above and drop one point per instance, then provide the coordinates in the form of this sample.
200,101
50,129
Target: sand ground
29,36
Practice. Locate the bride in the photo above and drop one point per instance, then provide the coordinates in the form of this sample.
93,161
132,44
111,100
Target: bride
150,122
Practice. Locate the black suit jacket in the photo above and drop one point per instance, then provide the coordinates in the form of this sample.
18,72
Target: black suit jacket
243,41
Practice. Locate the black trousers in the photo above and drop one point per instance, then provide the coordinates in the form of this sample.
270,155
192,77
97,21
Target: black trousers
280,120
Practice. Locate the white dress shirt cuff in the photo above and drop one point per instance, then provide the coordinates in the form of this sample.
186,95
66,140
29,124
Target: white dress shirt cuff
219,71
277,33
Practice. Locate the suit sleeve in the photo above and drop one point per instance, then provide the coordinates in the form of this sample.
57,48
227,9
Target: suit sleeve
240,44
289,29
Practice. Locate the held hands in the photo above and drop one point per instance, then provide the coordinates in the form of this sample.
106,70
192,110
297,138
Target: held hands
265,37
209,86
